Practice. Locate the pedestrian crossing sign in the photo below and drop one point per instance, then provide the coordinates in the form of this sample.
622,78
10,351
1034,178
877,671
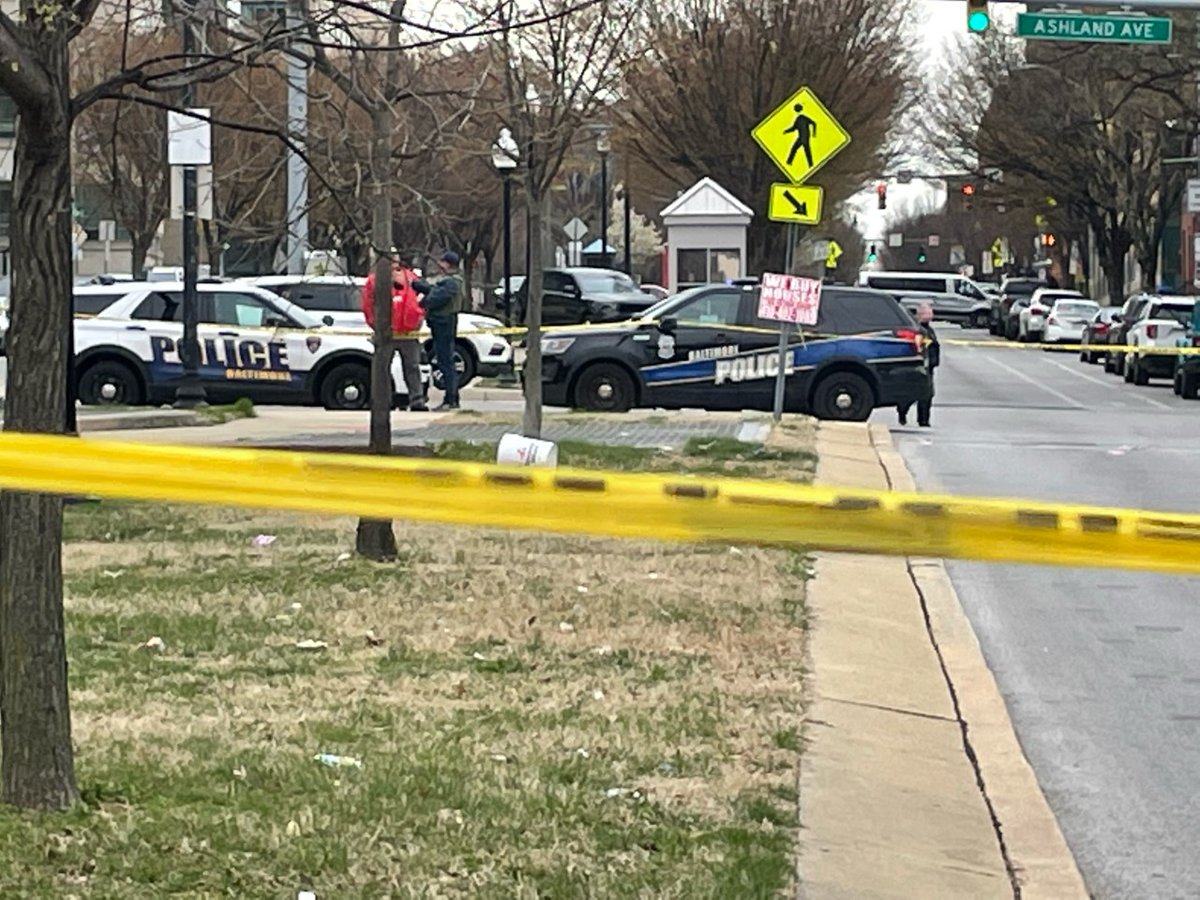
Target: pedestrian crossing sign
800,136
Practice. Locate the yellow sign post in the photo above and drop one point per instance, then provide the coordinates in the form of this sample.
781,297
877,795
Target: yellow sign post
798,203
800,136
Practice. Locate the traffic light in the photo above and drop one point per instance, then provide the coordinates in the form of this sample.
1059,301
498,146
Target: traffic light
921,255
881,190
968,194
978,18
1049,240
872,256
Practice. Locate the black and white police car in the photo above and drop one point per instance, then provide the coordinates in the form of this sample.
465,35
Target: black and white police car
706,348
252,344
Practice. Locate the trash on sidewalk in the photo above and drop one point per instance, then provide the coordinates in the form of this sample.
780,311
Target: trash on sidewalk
333,761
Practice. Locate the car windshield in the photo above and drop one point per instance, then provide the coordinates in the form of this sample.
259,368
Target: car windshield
606,283
1075,308
664,306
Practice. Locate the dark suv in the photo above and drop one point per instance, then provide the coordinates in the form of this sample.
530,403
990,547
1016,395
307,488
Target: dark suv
1011,290
576,296
706,348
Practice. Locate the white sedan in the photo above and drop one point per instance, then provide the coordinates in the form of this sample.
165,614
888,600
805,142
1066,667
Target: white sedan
478,352
1033,321
1068,320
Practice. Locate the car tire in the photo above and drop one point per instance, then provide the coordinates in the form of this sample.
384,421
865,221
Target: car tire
843,397
464,361
1189,386
1085,357
1127,370
604,387
346,387
1140,376
109,382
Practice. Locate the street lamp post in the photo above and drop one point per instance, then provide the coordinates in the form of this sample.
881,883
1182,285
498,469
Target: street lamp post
604,147
505,154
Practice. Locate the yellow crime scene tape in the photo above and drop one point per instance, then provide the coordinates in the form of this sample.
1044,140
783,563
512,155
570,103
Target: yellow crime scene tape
1076,348
659,507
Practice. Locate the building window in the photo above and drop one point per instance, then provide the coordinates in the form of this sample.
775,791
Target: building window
698,267
8,116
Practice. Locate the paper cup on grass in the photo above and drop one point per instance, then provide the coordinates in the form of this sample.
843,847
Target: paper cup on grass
518,450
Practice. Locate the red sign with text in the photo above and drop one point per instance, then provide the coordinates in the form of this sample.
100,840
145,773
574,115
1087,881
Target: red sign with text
789,298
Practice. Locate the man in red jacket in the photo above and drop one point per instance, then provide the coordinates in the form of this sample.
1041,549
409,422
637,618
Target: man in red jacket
407,317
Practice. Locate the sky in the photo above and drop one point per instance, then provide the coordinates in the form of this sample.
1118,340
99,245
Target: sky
941,24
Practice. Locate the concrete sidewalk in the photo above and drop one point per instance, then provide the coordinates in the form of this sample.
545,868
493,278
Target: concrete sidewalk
912,781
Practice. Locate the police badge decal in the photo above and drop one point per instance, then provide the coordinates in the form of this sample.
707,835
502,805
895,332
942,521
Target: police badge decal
666,346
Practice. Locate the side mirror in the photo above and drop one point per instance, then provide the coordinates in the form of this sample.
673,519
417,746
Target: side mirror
668,325
328,320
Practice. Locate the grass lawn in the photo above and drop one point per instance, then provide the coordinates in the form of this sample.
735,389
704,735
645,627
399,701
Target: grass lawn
535,716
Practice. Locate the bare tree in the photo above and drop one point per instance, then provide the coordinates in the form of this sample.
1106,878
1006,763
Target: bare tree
1093,158
553,77
711,69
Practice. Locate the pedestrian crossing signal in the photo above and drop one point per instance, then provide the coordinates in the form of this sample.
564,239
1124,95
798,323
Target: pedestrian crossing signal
978,19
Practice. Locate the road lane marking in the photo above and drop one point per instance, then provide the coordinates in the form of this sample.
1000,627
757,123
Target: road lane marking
1104,383
1049,390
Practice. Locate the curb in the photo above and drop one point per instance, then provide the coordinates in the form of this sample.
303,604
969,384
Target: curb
1041,859
167,418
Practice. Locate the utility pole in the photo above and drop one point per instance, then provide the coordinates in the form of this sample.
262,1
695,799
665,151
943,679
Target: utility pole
190,392
297,168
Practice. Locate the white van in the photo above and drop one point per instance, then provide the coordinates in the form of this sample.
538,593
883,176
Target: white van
955,298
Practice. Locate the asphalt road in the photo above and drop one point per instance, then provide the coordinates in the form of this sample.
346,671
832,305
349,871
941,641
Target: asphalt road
1100,669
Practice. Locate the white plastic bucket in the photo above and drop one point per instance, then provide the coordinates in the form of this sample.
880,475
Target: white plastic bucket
516,449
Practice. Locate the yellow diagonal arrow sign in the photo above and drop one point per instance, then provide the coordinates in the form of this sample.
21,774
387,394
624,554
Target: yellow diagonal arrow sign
799,203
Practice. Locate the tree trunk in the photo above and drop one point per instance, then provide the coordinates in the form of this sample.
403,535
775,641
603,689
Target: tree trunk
137,255
37,767
532,424
375,538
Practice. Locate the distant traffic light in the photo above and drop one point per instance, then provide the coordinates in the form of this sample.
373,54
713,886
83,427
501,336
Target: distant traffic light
978,19
921,256
1049,240
968,194
872,256
881,190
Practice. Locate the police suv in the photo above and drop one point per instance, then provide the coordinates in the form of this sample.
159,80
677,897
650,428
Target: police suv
706,348
252,344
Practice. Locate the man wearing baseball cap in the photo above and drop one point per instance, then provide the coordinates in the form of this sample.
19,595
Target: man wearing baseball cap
441,300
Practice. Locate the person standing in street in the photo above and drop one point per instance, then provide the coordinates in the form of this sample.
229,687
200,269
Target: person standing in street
407,317
441,300
932,352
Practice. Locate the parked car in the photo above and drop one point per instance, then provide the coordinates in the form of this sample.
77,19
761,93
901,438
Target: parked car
514,285
575,296
1114,361
477,352
1011,290
1012,325
253,344
1033,320
694,350
1160,323
1095,335
954,298
1187,367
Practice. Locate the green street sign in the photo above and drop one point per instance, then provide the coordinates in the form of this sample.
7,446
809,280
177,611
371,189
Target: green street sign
1118,29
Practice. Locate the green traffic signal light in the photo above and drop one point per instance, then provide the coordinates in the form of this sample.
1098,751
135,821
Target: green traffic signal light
921,256
978,21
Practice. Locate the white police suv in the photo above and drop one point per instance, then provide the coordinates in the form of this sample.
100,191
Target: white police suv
252,344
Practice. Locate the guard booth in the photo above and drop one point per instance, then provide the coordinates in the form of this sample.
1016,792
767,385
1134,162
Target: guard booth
706,236
599,255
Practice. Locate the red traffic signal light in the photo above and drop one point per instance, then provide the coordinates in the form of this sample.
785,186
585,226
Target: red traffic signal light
881,191
968,190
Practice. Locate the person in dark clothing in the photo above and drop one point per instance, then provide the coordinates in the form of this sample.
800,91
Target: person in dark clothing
932,352
441,300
